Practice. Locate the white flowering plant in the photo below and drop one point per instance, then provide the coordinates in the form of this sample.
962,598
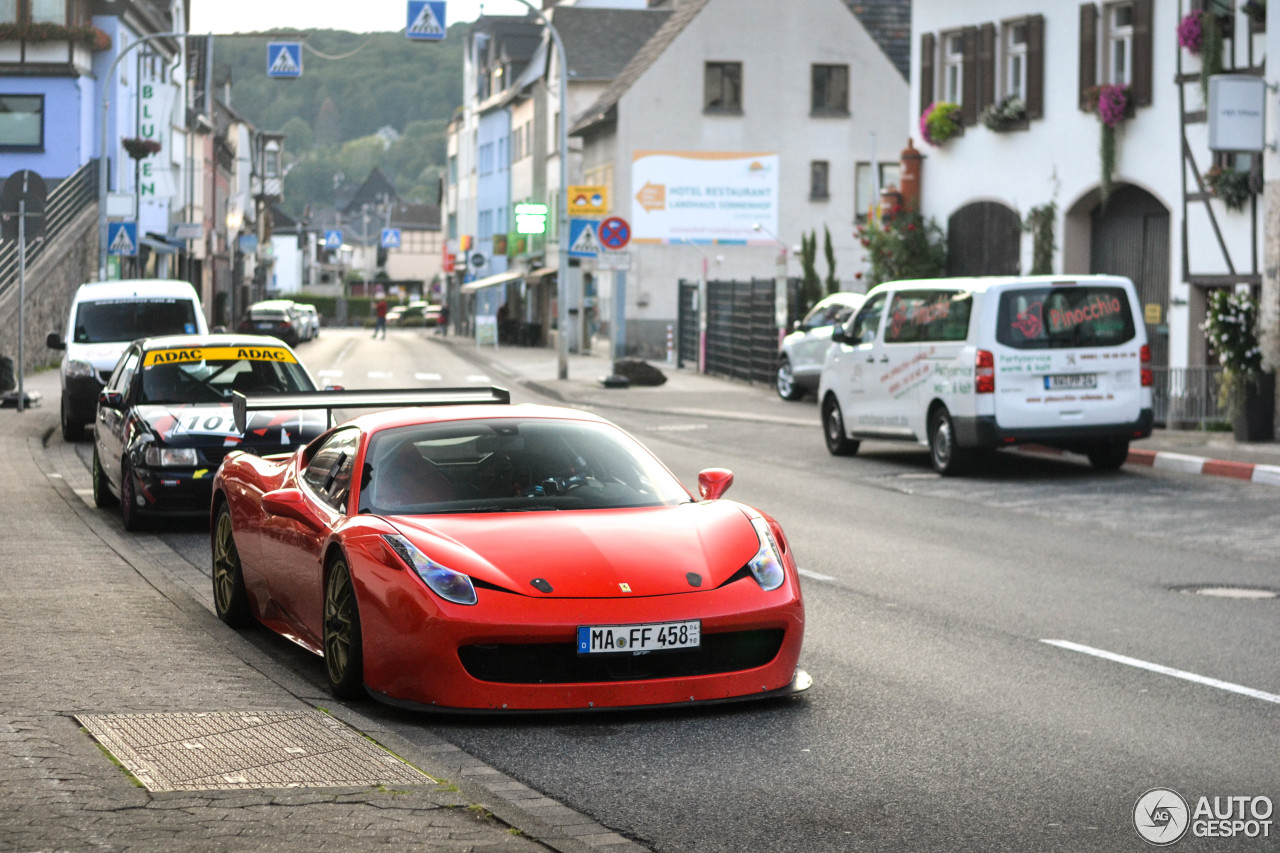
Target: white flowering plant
1230,326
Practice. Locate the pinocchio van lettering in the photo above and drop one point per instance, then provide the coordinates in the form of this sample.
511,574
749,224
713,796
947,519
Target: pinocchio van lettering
1098,307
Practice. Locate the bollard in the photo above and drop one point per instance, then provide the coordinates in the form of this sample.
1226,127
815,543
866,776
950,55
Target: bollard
671,344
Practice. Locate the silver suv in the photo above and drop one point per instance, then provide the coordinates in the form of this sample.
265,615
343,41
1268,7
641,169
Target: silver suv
803,351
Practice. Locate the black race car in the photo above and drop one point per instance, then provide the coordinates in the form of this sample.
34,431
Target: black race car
165,423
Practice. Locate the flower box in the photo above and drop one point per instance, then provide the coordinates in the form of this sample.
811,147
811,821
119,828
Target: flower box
10,51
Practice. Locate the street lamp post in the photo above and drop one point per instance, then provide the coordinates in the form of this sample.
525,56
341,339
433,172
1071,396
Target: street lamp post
780,284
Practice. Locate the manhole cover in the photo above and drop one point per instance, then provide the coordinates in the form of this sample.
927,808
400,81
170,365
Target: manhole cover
232,750
1253,592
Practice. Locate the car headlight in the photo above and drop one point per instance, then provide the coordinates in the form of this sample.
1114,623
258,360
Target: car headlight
766,565
78,369
444,582
169,457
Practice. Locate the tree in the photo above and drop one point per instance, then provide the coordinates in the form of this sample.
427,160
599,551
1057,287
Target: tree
833,283
810,284
298,137
902,244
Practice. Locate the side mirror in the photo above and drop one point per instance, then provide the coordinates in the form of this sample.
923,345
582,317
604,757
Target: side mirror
54,341
713,483
289,503
838,336
111,400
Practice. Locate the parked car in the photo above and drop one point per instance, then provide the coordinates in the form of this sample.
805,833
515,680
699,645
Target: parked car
470,554
803,351
104,317
165,419
310,320
416,313
276,317
964,364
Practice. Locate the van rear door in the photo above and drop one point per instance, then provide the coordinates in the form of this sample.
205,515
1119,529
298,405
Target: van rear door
1067,354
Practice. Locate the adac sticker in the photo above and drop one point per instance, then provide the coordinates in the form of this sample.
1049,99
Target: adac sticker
190,354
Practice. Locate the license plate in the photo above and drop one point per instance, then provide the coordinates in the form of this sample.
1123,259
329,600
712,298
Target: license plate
1071,380
266,325
653,637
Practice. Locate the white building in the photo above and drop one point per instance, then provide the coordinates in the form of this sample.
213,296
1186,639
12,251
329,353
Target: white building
1175,240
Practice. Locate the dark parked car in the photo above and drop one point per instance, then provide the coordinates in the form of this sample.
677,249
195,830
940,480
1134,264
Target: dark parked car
276,317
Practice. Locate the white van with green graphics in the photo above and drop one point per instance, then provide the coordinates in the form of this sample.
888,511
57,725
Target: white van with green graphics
965,364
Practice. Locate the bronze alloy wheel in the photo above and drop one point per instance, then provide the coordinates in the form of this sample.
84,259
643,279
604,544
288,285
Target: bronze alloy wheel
229,598
129,499
102,496
343,650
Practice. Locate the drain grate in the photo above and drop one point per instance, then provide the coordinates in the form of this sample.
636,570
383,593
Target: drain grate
231,750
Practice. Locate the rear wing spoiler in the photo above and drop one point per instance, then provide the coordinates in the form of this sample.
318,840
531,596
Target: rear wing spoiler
388,398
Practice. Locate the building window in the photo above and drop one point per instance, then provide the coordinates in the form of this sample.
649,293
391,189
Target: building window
723,92
865,190
819,171
22,122
1015,60
453,169
953,68
1118,59
453,226
34,12
484,225
830,90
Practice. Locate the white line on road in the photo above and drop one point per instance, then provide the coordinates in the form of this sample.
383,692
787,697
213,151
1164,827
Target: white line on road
814,575
675,428
1165,670
329,374
380,374
427,377
478,377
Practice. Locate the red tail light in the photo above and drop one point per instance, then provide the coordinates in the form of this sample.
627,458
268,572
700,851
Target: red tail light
985,372
1148,376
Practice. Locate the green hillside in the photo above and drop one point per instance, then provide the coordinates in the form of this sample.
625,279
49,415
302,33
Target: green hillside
332,111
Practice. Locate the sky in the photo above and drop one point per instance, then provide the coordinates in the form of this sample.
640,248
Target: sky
241,16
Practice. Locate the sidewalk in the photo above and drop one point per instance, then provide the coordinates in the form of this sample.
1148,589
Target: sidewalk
690,393
101,633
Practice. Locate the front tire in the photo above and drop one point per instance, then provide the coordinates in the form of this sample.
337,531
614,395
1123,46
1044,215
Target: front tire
785,381
343,646
129,513
230,601
1109,455
948,459
102,497
70,431
838,441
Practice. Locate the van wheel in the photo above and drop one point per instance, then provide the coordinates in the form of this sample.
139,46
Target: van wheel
838,441
785,382
70,431
1109,455
948,459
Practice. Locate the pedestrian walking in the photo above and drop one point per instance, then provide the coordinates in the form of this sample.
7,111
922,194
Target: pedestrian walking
380,323
443,322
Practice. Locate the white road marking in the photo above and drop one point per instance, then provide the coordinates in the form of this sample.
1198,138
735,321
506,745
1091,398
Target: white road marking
427,377
478,377
329,374
380,374
1165,670
814,575
675,428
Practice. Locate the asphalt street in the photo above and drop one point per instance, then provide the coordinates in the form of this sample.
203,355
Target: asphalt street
942,717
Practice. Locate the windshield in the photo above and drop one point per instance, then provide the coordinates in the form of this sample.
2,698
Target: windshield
1055,317
131,318
209,375
506,465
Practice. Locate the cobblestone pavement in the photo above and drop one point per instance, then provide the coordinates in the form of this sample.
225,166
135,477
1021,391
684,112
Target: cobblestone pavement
93,623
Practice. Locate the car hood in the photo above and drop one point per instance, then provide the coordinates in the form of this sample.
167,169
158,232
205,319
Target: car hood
213,425
593,553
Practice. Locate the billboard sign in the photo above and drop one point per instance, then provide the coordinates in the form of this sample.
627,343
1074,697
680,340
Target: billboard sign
687,196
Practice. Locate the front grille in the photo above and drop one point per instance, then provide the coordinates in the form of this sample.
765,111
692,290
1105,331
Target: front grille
560,663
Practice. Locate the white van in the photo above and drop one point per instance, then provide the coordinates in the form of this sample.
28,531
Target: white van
963,364
105,317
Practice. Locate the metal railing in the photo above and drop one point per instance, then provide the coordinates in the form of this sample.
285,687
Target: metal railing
1187,397
65,203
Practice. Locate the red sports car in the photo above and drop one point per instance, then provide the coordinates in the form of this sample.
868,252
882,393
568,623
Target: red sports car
469,554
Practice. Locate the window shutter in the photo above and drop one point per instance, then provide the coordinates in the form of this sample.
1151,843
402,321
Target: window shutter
986,66
1035,66
1141,86
927,53
1088,54
969,86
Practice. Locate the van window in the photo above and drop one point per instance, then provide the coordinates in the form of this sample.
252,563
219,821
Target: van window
867,321
928,315
1059,317
126,319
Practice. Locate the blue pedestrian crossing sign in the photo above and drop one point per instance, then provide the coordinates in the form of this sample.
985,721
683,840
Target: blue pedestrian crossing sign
426,20
284,59
122,238
333,239
584,241
391,238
